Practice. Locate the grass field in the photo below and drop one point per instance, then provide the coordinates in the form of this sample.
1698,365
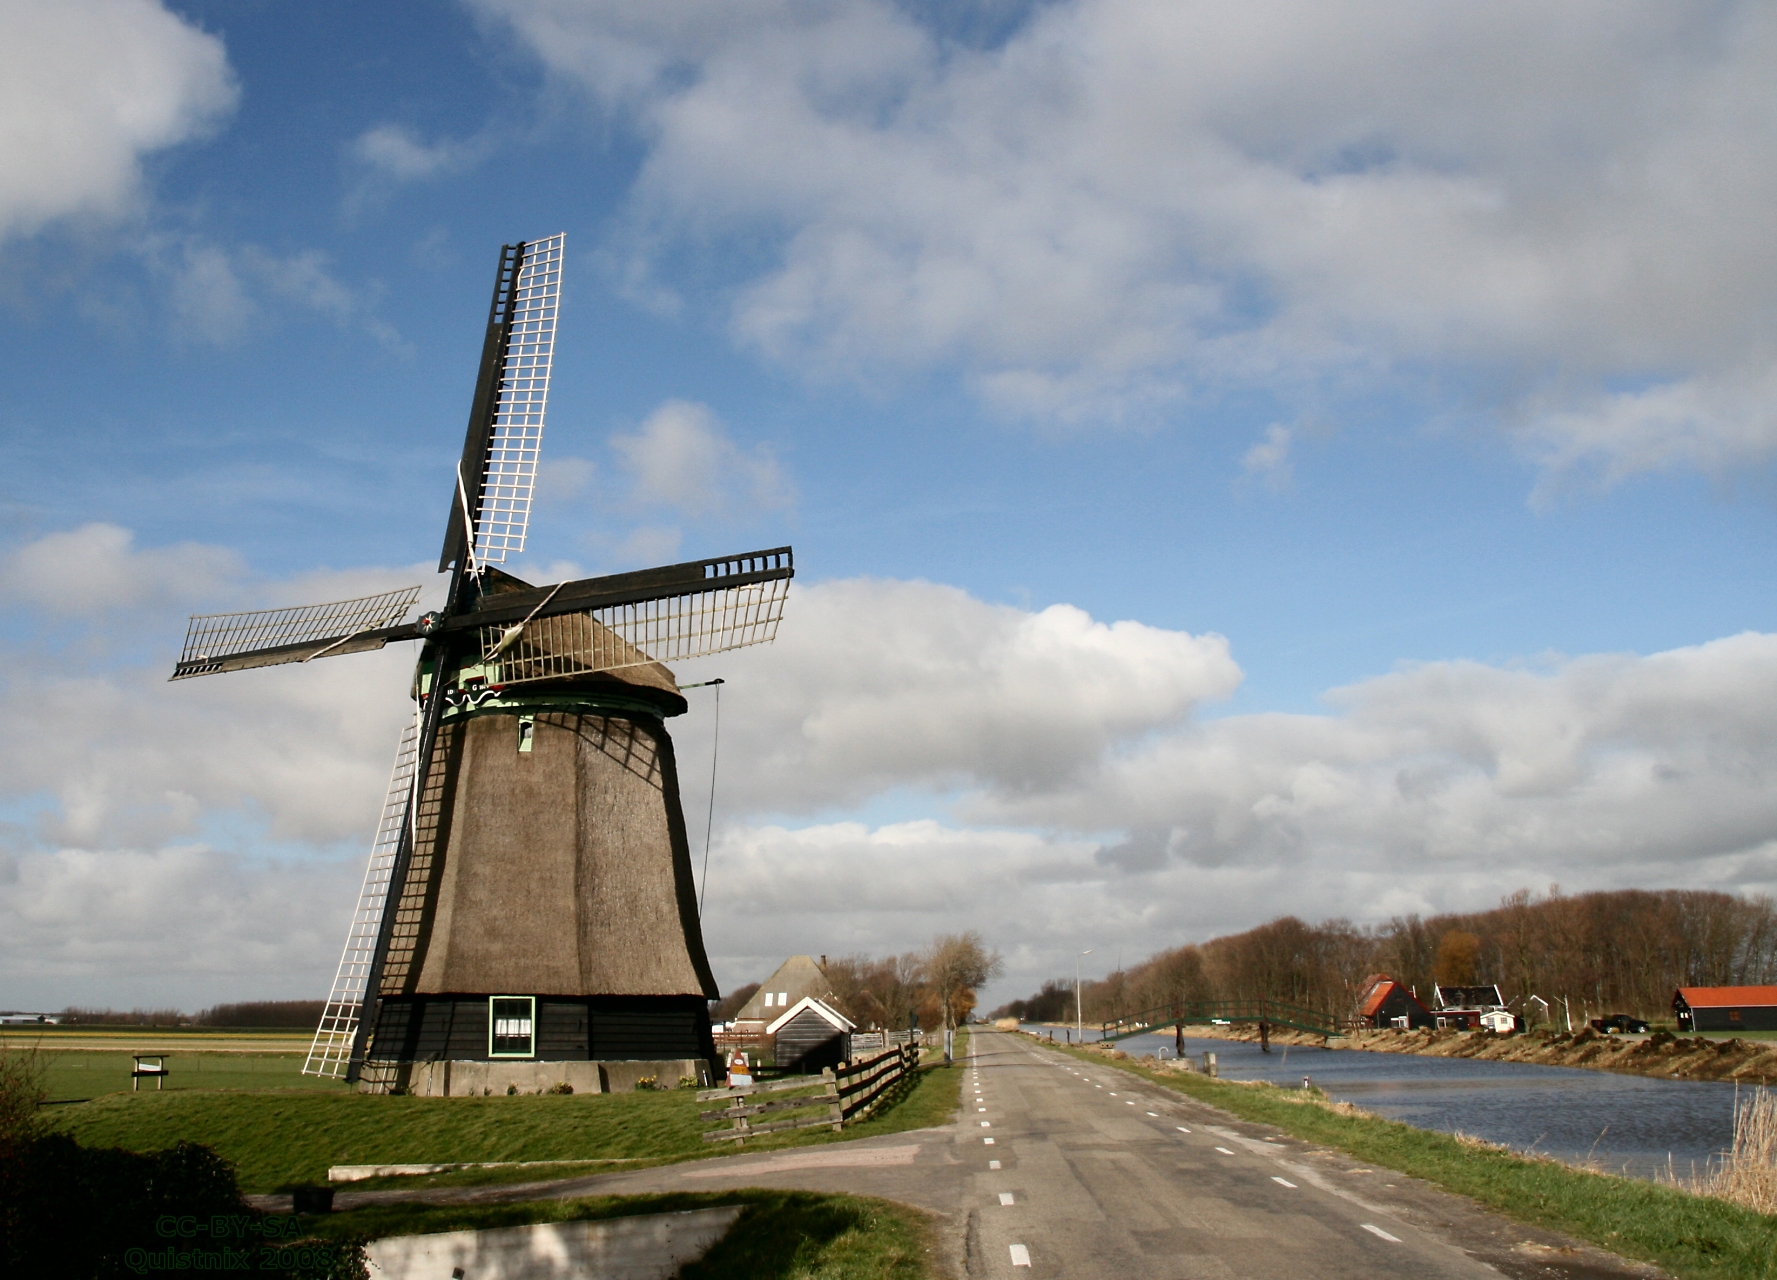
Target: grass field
1690,1236
88,1073
278,1138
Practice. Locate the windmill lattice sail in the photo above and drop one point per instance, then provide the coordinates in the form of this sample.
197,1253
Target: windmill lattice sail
331,1050
266,637
667,630
509,475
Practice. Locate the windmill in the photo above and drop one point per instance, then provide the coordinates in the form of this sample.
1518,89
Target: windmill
528,916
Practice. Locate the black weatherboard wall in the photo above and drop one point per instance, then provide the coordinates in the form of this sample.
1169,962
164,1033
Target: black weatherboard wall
569,1029
1742,1017
808,1042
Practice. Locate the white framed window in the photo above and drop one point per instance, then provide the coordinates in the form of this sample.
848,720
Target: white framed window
783,999
511,1023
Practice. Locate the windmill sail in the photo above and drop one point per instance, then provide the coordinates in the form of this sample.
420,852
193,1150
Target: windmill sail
659,615
330,1053
671,630
498,473
266,637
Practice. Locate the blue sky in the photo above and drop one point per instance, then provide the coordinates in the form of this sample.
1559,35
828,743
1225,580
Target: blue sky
1399,376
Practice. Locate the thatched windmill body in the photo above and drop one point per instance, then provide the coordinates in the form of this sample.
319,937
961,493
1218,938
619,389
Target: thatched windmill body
529,916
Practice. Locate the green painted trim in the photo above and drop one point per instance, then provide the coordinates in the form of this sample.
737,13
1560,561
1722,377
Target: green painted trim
522,704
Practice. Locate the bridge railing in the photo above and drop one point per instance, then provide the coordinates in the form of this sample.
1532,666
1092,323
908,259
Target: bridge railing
1278,1013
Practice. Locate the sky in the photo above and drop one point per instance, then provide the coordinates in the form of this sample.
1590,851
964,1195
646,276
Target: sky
1241,460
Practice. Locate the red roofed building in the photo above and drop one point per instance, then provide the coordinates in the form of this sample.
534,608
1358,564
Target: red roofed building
1386,1003
1725,1008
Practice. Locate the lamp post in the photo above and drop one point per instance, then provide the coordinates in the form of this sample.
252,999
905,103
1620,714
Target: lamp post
1079,1019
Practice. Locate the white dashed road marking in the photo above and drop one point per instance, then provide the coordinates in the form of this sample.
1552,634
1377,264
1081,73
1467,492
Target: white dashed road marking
1181,1128
1005,1197
1224,1151
1020,1256
987,1141
1378,1231
993,1164
986,1125
1283,1182
1155,1114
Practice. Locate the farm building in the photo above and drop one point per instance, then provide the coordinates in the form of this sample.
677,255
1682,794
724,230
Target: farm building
1386,1003
1485,996
1725,1008
1471,1008
792,981
810,1035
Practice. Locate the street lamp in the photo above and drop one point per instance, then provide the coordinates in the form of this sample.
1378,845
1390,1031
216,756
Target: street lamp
1079,1020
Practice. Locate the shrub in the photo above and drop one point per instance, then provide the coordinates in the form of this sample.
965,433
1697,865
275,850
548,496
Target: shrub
81,1212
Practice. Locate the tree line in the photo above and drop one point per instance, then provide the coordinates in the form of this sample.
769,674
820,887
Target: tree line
285,1014
1621,951
938,984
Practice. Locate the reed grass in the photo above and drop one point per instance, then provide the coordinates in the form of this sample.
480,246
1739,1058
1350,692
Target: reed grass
1747,1174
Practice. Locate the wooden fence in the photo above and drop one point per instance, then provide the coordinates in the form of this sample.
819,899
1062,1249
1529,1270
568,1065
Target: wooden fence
846,1093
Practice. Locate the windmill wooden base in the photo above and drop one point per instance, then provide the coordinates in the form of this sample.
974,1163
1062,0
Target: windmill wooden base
546,931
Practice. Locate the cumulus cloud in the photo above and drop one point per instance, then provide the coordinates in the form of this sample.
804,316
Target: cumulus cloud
1133,203
905,759
218,293
97,569
681,457
396,152
186,926
873,685
178,842
1269,459
88,88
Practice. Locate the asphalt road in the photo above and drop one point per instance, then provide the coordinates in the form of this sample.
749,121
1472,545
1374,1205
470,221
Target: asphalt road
1063,1167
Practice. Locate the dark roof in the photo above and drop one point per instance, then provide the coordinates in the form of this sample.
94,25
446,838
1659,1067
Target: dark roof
1468,997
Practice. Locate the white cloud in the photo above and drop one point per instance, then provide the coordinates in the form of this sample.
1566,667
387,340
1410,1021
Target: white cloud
219,294
681,457
394,151
1269,459
1132,203
96,569
185,926
1051,777
874,685
562,480
87,89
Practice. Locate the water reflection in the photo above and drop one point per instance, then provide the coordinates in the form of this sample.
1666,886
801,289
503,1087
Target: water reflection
1623,1124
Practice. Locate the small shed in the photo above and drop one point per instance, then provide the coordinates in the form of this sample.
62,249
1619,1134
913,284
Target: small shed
1386,1003
810,1035
1725,1008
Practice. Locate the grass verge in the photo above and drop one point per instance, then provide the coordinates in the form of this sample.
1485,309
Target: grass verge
780,1234
1688,1235
281,1138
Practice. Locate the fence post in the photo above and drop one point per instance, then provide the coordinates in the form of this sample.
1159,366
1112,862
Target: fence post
835,1108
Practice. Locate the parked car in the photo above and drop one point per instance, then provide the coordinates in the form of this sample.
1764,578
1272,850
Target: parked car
1618,1023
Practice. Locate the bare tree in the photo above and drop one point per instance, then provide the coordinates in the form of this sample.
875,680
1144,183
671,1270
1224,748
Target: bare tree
955,966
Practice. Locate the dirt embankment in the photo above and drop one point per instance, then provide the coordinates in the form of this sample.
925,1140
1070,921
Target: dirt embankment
1661,1054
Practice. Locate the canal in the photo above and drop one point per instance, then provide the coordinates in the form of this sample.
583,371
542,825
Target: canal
1619,1124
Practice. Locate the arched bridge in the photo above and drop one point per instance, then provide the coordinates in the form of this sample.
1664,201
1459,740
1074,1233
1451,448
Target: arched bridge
1276,1012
